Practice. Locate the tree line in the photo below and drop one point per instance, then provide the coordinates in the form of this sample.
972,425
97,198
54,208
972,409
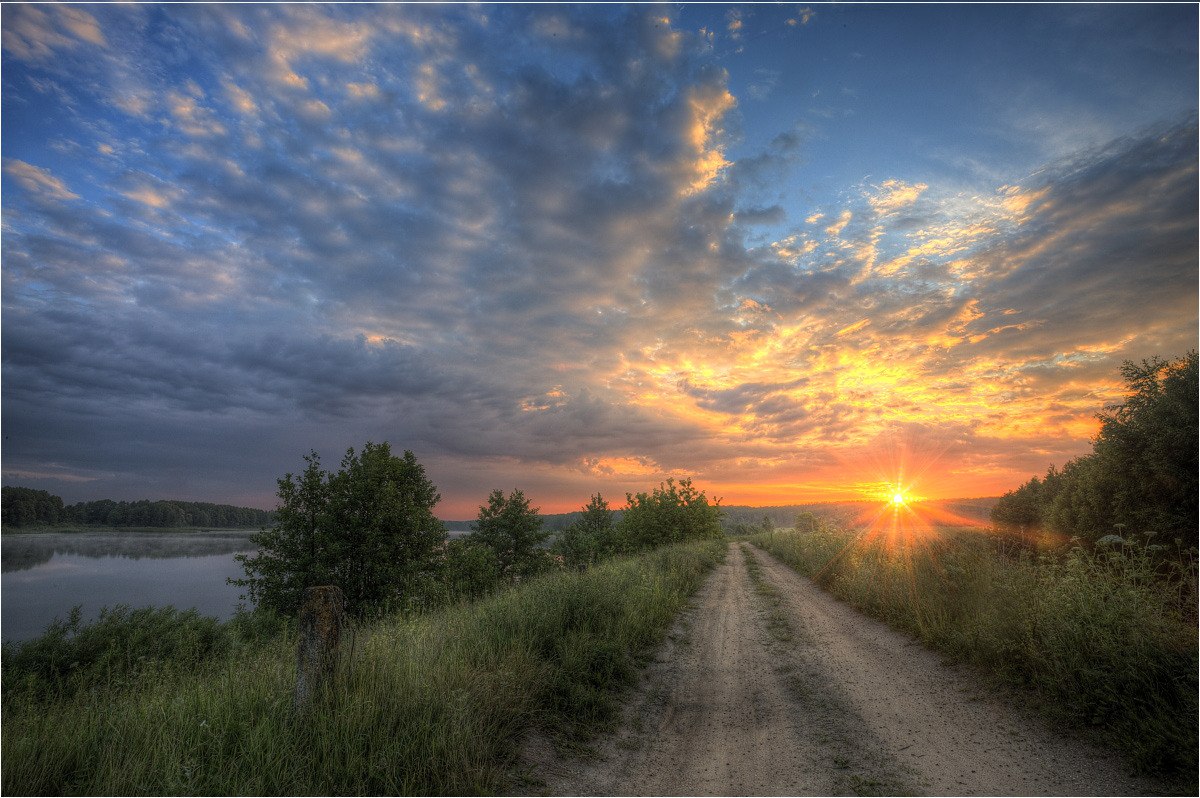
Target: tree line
1141,476
29,507
369,528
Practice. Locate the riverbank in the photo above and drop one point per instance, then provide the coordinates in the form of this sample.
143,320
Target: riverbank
432,704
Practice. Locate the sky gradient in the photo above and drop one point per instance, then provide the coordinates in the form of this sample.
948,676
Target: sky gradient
794,252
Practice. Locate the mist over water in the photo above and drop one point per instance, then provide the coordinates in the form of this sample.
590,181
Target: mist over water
45,575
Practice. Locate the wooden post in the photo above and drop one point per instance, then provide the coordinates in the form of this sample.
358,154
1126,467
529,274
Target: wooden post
322,619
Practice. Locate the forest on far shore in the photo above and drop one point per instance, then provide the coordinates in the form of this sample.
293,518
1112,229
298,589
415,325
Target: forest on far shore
23,507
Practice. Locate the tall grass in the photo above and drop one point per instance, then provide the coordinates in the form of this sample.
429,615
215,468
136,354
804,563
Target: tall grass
427,705
1106,638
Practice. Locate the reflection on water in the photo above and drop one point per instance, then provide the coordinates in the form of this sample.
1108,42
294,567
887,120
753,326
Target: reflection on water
19,552
45,575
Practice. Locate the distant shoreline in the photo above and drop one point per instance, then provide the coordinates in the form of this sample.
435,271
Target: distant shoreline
74,529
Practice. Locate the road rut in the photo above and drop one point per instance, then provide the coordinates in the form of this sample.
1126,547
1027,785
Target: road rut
768,686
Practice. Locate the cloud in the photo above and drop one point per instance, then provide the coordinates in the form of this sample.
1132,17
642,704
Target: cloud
803,17
893,195
834,230
734,23
38,181
773,214
765,82
363,90
284,262
543,259
37,33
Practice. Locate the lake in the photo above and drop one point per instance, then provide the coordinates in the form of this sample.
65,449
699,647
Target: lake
46,574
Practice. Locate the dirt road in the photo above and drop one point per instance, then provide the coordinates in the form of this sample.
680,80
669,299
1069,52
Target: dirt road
768,686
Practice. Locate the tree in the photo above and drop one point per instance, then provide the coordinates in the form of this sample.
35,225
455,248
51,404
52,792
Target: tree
513,531
589,539
669,514
369,528
470,570
23,506
1026,508
1142,472
1148,447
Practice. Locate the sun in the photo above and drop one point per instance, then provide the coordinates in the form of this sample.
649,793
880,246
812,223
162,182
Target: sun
898,499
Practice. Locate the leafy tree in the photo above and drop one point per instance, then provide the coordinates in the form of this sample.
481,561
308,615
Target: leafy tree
22,506
513,531
369,528
669,514
470,570
166,513
1148,447
1027,508
589,539
1142,472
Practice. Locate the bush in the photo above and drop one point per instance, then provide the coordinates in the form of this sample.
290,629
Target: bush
471,570
671,513
590,539
117,650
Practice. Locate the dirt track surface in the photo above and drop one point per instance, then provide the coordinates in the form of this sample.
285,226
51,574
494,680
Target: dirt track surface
768,686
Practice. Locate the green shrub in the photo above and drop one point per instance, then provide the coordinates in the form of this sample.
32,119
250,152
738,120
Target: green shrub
470,570
671,513
513,531
116,650
591,538
368,528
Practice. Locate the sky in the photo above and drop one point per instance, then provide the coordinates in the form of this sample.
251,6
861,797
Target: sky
794,252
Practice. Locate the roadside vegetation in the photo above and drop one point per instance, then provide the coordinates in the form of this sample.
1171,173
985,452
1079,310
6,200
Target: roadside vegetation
1085,593
458,648
1101,637
1141,477
432,703
369,528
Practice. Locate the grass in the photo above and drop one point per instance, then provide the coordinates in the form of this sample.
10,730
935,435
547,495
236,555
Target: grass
427,705
1105,639
778,624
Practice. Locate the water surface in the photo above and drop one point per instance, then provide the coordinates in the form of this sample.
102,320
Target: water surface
46,574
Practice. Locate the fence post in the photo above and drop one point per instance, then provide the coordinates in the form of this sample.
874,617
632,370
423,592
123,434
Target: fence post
322,618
